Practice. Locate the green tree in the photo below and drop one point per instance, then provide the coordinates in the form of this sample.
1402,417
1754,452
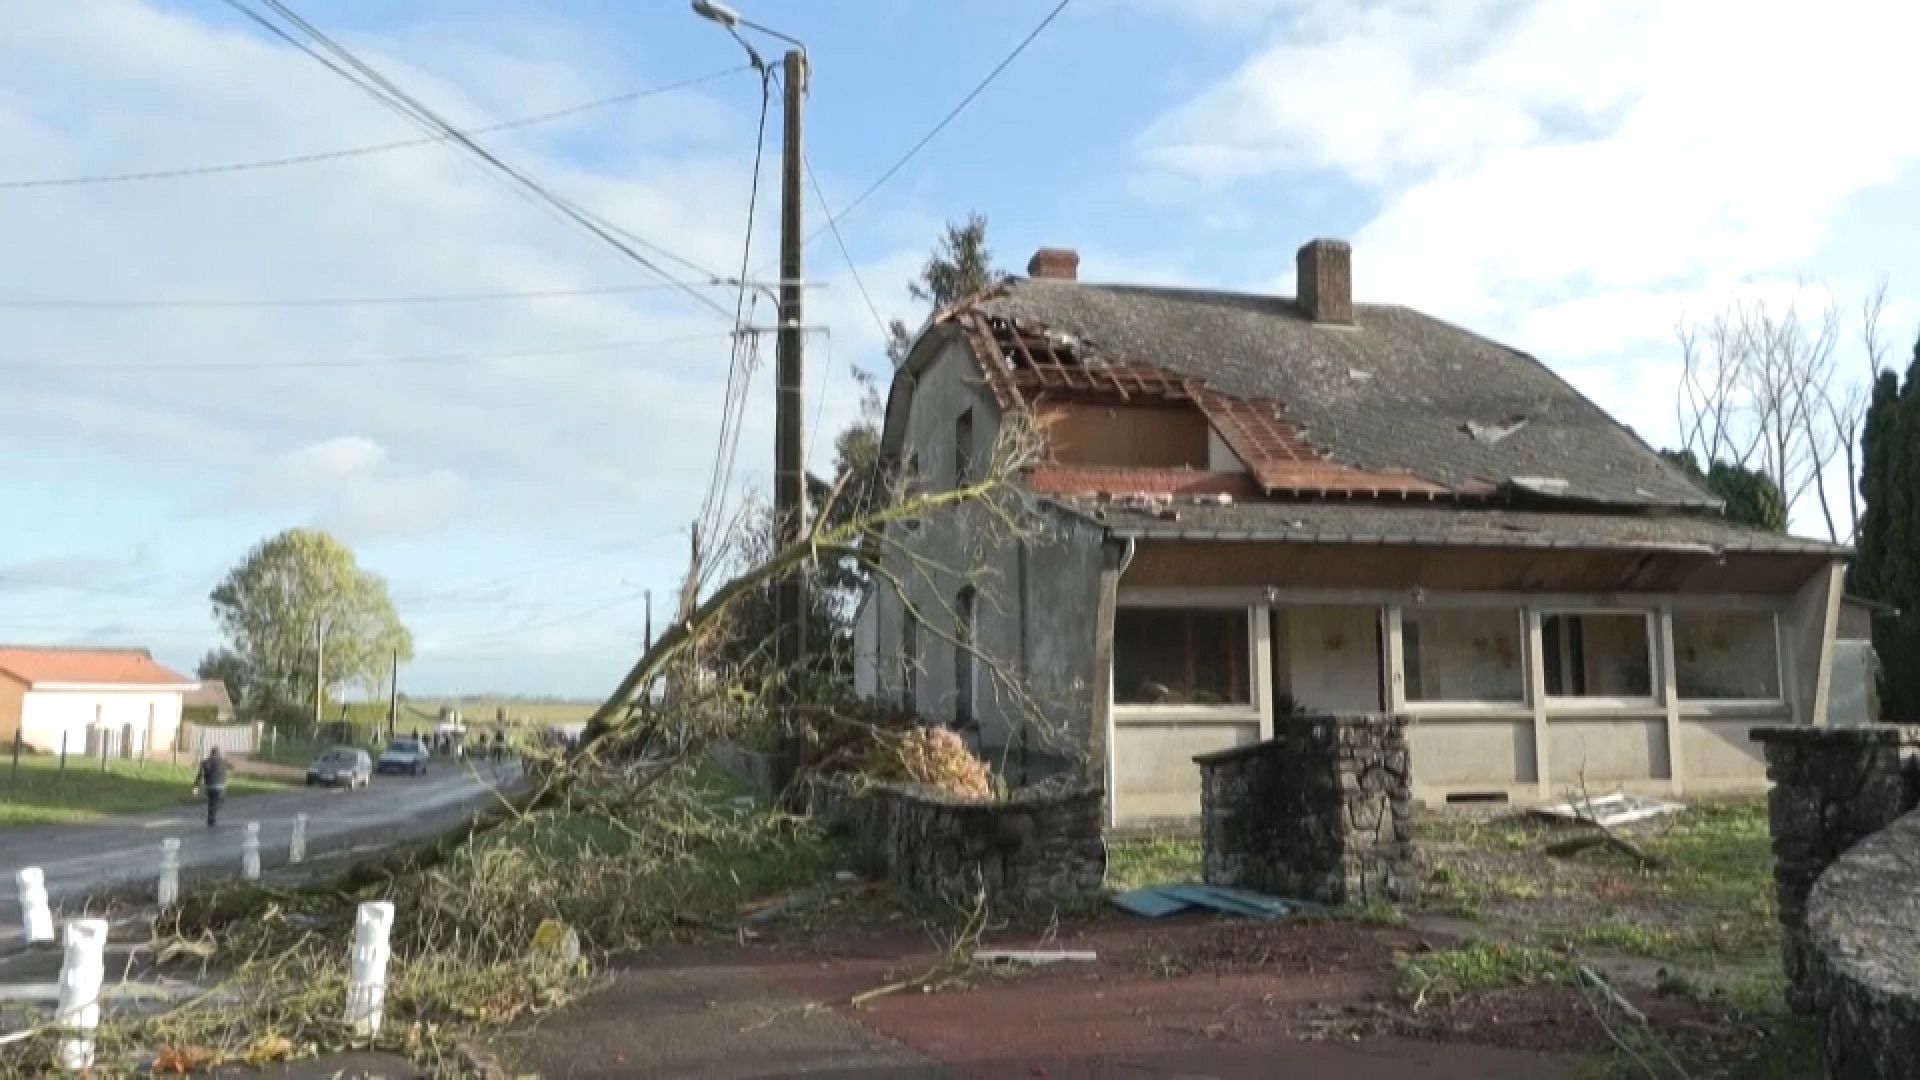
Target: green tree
223,665
289,594
959,266
1887,567
1751,496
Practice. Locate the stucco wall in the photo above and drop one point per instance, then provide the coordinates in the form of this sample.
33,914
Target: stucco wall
153,714
11,698
1037,597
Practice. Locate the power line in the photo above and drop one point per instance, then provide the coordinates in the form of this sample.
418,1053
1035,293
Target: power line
746,348
219,304
358,151
417,358
891,170
389,94
821,197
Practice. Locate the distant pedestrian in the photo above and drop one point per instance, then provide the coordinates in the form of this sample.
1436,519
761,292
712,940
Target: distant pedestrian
211,781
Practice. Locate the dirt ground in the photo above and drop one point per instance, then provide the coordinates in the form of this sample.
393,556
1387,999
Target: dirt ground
1481,979
1192,997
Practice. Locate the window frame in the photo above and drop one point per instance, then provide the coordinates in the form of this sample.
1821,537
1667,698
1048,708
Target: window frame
1697,704
963,447
1397,659
1161,712
1562,703
966,664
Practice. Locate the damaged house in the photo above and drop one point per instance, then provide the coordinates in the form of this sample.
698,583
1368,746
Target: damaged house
1254,505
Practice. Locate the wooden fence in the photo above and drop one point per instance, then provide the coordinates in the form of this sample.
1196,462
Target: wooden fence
197,739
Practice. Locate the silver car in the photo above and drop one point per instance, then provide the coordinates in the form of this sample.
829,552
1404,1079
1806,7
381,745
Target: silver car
342,766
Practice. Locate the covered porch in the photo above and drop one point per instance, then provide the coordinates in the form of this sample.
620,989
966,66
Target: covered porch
1526,672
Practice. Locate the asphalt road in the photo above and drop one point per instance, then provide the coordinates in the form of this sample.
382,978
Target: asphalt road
82,859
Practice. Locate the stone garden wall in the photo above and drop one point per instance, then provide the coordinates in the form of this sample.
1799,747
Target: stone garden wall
1847,888
753,767
1034,849
1320,811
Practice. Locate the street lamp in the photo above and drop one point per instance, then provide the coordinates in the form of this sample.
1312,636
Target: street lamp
789,479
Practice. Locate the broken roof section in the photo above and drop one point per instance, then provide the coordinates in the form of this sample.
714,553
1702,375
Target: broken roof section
1392,403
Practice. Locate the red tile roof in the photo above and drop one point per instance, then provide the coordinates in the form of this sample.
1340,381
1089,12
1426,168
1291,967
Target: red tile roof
38,665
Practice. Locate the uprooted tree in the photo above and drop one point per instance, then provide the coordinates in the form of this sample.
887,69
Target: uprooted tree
719,666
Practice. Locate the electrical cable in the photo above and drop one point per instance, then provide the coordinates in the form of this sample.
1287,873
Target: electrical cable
389,94
953,113
357,151
220,304
418,358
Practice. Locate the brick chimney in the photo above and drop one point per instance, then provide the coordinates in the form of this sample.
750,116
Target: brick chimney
1325,272
1054,264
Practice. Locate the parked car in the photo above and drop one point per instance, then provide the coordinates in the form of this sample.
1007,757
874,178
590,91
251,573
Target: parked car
342,766
406,755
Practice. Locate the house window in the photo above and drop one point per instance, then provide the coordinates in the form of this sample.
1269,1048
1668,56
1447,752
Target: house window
1467,654
962,448
1180,656
1597,655
1726,656
964,661
910,662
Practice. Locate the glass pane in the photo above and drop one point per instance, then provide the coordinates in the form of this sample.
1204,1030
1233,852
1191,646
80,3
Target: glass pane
1726,657
1463,655
1177,656
1597,655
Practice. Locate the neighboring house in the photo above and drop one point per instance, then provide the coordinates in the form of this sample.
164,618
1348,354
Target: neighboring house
207,704
1254,504
117,698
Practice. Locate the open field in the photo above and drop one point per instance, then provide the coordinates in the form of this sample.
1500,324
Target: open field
41,794
529,712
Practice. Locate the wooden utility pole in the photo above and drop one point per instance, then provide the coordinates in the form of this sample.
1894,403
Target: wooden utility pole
789,483
319,669
646,644
393,697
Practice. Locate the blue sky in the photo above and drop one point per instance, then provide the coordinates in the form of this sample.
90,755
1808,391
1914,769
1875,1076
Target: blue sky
1569,177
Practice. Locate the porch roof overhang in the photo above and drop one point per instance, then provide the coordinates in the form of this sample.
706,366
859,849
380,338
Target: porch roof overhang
1215,520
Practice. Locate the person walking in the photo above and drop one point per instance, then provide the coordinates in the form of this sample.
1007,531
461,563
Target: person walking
212,782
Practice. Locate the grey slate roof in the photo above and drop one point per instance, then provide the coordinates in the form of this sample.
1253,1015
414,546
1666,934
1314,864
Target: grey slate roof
1441,525
1395,390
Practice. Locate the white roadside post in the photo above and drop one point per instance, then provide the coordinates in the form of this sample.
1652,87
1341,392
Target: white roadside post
367,968
297,847
168,894
250,852
36,918
81,972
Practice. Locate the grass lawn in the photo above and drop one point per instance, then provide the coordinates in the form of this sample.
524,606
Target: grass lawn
1709,899
1152,860
41,795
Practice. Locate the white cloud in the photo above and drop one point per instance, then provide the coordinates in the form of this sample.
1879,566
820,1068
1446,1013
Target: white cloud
1532,154
233,421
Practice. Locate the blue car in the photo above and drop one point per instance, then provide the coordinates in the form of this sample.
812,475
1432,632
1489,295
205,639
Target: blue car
406,756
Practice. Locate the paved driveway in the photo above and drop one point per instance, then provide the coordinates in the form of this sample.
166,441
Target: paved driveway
85,858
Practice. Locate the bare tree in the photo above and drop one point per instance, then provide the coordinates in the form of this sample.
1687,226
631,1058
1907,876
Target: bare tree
1761,388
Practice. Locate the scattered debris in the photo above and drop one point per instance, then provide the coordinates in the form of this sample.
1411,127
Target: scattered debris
846,877
1493,433
1612,995
1609,811
1603,814
1158,901
1359,375
773,907
1034,957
